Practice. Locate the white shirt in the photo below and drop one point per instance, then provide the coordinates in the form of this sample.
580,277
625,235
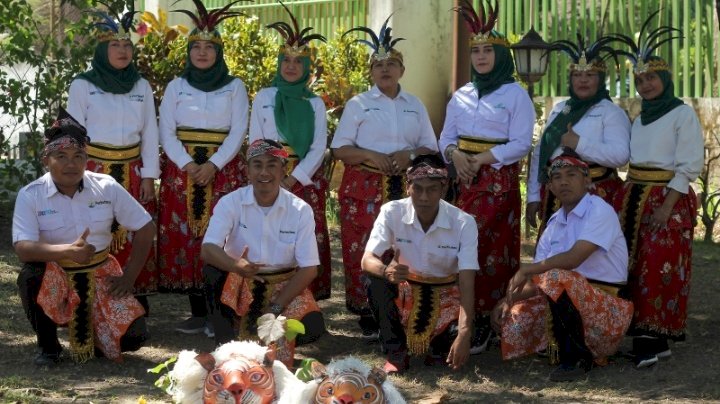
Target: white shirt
262,126
595,221
282,238
450,244
374,121
506,114
44,214
674,142
119,119
604,133
184,106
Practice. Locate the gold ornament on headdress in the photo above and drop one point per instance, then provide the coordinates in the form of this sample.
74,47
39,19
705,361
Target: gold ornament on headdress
382,44
296,42
641,52
588,57
114,28
481,27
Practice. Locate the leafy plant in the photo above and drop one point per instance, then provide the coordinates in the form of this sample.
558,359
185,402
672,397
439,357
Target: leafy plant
250,52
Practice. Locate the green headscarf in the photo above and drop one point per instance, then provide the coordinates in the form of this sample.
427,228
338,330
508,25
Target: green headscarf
108,78
502,72
294,115
573,111
652,110
212,78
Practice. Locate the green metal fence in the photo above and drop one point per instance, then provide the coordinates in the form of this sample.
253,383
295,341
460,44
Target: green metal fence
325,16
694,59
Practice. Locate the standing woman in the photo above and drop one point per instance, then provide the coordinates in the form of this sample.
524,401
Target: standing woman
203,118
291,114
116,106
657,205
488,129
380,132
588,123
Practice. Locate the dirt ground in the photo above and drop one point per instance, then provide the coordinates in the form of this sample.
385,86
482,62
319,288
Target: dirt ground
690,375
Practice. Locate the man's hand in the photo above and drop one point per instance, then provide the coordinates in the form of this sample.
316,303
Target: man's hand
459,351
80,250
396,272
121,286
516,284
498,314
246,268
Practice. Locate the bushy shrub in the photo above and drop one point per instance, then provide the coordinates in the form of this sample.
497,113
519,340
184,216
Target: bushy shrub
250,52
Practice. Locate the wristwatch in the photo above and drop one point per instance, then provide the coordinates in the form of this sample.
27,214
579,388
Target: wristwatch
412,155
275,309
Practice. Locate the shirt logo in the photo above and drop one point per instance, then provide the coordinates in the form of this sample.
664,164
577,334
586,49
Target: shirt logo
499,106
137,97
241,224
447,247
97,203
403,240
287,232
46,212
371,109
223,92
411,111
184,93
94,92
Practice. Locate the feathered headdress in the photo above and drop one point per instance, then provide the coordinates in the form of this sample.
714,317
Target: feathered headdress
382,44
641,52
112,26
586,57
295,40
206,22
481,25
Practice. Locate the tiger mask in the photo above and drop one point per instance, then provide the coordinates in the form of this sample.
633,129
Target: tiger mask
351,381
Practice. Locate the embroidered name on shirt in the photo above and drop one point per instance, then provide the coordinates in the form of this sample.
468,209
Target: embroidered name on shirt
403,240
449,247
287,232
371,109
594,116
97,203
46,212
184,93
499,106
241,224
94,92
223,92
268,106
137,97
410,110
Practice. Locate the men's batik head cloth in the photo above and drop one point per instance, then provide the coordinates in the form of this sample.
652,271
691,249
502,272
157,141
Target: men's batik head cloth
481,24
427,166
568,159
382,43
296,40
112,26
266,147
65,133
586,57
641,52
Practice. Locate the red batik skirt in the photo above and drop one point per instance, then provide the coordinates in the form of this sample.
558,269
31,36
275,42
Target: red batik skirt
180,235
362,193
314,195
660,260
127,174
605,317
494,201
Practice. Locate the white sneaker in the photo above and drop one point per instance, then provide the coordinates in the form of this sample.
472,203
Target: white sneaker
192,325
664,354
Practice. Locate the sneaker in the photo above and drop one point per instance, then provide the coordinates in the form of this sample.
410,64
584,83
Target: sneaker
47,359
209,330
370,335
645,360
193,325
481,339
567,373
664,354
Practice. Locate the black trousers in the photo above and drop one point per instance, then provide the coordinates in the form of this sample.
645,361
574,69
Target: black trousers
224,319
29,281
381,297
567,329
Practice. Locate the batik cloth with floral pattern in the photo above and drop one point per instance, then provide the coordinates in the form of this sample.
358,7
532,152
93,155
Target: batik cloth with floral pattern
605,318
660,259
128,175
314,195
493,199
179,263
238,294
111,316
361,195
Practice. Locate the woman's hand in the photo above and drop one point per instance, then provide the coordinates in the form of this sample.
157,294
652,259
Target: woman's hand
147,190
288,182
465,165
531,213
383,162
206,174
